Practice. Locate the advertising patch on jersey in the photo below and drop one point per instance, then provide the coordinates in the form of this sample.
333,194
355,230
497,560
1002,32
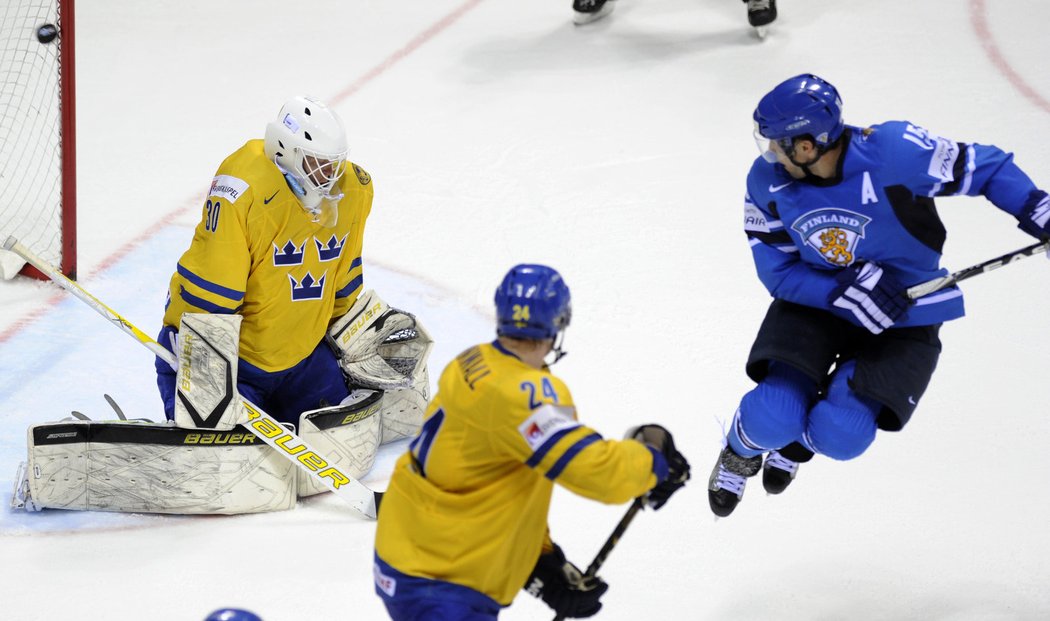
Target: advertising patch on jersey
754,219
834,233
943,160
386,584
546,421
230,188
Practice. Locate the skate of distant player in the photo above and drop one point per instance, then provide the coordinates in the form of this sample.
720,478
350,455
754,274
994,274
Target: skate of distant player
841,220
760,13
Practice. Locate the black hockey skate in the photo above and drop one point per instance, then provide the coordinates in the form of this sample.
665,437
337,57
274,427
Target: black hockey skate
761,12
725,489
587,11
781,466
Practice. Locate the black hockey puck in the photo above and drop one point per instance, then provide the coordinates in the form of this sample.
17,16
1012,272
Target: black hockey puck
46,33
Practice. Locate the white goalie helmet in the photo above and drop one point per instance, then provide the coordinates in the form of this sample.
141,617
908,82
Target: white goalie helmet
308,143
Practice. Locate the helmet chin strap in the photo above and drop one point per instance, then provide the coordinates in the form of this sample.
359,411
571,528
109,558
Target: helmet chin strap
556,349
805,165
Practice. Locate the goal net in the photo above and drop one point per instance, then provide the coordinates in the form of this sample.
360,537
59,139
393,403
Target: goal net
37,129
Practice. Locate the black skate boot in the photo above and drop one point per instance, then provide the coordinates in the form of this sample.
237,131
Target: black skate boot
761,13
781,466
587,11
725,489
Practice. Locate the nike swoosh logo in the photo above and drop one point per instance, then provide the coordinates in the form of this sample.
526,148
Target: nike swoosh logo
777,188
911,400
266,201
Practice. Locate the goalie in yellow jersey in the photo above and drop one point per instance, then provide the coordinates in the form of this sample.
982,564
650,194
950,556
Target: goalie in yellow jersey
279,244
463,524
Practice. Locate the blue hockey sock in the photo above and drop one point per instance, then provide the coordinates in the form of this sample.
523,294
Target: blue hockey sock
773,414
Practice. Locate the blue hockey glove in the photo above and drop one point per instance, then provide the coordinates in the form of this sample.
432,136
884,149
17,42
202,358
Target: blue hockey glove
677,467
564,588
1035,217
168,338
874,297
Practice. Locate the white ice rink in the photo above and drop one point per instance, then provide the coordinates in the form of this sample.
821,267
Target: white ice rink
496,133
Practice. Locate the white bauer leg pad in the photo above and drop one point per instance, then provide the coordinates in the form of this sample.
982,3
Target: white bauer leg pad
403,408
348,434
206,394
150,468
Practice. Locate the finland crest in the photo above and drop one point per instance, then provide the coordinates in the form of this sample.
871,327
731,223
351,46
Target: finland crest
832,232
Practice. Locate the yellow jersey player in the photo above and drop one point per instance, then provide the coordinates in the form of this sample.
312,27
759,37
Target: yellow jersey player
279,243
463,525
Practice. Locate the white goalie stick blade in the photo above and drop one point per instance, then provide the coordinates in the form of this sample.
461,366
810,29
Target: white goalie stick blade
287,443
320,470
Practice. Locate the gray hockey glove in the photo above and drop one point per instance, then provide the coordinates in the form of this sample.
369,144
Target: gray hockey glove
564,588
874,297
677,466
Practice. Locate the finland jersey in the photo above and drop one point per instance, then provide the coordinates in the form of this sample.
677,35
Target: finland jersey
468,502
879,207
256,253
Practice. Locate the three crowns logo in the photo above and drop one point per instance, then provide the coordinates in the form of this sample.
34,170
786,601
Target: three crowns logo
288,254
307,288
332,249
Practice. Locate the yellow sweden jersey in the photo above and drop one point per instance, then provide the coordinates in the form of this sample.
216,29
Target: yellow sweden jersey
256,253
468,502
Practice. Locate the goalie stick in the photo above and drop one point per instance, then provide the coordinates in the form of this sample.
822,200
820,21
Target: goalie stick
285,442
610,543
937,284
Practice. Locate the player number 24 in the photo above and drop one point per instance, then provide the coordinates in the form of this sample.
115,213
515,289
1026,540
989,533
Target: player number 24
548,392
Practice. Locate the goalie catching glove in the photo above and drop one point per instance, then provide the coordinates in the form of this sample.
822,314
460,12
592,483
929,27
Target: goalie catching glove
378,346
660,440
566,589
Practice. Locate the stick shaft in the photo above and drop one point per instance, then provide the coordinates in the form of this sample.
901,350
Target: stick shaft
610,543
943,282
267,428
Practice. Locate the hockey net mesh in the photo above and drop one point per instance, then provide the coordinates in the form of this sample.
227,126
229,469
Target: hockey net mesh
30,128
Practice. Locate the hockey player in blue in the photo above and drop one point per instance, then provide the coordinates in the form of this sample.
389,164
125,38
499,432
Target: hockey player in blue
841,220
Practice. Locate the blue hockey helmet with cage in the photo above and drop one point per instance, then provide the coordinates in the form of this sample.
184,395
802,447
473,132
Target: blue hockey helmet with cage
233,614
805,105
532,302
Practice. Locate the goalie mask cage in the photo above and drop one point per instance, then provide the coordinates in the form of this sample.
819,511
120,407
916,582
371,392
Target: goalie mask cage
37,130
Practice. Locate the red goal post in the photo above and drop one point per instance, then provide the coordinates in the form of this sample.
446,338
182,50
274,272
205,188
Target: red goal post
38,130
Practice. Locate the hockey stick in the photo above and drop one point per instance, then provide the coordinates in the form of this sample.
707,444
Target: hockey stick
610,543
937,284
285,442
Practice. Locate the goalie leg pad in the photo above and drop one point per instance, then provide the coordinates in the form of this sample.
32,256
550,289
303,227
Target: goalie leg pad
142,467
206,383
403,408
347,434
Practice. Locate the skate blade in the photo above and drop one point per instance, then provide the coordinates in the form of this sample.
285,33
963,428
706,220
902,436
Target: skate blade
762,31
580,19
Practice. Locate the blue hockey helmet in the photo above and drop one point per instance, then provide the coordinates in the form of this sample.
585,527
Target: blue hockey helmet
532,302
804,105
233,614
